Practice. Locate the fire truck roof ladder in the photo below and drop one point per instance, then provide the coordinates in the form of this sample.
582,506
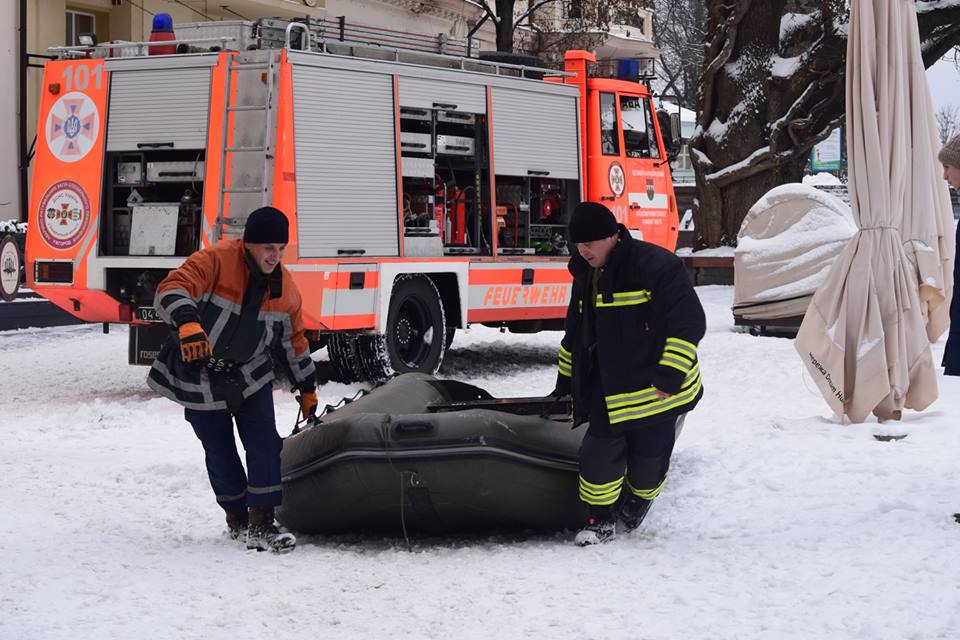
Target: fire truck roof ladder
324,36
246,175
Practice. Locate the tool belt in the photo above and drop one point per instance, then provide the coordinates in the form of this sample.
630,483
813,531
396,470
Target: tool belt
226,382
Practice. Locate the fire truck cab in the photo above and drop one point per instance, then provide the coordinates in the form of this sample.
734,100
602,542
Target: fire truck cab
425,192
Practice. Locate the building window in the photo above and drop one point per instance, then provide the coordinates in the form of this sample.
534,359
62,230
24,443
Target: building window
639,22
79,22
574,9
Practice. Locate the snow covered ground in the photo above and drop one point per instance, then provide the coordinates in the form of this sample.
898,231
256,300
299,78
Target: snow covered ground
774,523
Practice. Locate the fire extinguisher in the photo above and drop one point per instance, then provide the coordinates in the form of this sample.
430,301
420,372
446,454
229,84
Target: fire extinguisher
451,212
457,215
440,209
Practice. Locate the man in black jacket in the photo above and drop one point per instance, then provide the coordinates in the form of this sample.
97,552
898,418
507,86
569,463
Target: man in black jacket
629,361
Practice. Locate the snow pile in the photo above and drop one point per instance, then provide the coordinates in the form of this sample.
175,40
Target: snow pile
792,22
774,522
822,179
713,252
12,226
785,67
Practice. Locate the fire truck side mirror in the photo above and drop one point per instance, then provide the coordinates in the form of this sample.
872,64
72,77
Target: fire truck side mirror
675,136
670,130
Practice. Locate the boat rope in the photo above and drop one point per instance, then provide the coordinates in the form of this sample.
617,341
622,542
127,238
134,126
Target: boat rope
299,424
405,476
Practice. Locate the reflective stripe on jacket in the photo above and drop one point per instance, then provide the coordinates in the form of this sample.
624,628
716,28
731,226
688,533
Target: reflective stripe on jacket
638,330
209,288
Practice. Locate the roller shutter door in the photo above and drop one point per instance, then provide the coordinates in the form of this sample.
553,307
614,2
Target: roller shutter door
164,107
429,93
535,132
346,163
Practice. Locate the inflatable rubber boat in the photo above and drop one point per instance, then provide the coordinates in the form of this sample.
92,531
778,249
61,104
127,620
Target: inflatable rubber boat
433,456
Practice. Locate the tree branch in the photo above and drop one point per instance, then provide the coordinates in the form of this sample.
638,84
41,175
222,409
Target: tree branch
533,8
489,12
724,38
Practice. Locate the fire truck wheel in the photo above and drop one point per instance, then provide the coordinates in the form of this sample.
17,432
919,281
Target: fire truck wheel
415,337
345,356
451,331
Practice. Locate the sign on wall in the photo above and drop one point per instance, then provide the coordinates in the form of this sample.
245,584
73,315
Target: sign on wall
828,155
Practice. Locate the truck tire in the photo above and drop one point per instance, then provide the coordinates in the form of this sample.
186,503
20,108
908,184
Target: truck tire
415,338
451,332
344,354
319,342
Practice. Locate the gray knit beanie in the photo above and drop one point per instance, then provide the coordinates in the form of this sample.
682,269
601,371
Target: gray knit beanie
950,154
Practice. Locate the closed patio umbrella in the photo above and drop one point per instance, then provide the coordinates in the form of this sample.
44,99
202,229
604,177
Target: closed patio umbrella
865,336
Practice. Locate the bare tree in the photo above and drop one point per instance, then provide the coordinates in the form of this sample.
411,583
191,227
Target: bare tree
772,87
948,121
580,19
678,31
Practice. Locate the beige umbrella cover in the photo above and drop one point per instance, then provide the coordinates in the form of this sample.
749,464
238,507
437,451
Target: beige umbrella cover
928,239
864,337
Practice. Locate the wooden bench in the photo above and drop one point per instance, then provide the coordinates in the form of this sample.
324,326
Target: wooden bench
705,270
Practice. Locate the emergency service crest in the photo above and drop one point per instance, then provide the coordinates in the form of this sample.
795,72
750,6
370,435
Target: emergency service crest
617,179
72,127
64,214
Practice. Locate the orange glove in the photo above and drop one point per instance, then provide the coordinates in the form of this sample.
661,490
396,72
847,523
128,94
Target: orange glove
308,403
194,344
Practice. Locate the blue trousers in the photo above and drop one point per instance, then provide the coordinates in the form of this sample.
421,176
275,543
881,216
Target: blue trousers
235,489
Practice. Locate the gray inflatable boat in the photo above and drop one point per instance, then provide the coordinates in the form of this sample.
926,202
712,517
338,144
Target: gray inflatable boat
433,456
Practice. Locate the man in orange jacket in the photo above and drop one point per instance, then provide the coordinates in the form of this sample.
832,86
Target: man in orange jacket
236,311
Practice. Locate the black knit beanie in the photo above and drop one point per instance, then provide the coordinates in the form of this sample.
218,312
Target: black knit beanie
267,225
591,221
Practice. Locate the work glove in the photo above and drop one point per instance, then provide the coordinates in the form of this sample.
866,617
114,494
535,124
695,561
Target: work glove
308,402
194,344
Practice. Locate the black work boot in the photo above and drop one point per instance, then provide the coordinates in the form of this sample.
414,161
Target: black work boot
237,524
263,535
633,509
601,527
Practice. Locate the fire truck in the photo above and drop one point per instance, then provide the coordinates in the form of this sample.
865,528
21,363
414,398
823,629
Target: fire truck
425,192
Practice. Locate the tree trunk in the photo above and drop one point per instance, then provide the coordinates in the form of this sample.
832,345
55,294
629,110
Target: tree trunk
730,204
769,92
772,87
505,25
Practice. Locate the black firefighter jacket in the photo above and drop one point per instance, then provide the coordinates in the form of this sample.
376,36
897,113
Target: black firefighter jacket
637,329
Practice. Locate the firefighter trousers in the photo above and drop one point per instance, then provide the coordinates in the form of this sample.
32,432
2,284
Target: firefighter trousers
636,460
236,489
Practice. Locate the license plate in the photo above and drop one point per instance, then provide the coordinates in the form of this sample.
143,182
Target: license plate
148,314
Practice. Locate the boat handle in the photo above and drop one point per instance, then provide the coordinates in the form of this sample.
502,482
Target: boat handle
414,427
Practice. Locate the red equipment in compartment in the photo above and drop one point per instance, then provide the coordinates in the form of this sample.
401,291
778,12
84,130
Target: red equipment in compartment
549,199
451,213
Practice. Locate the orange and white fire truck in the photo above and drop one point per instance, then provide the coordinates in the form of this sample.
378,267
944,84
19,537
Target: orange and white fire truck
425,192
